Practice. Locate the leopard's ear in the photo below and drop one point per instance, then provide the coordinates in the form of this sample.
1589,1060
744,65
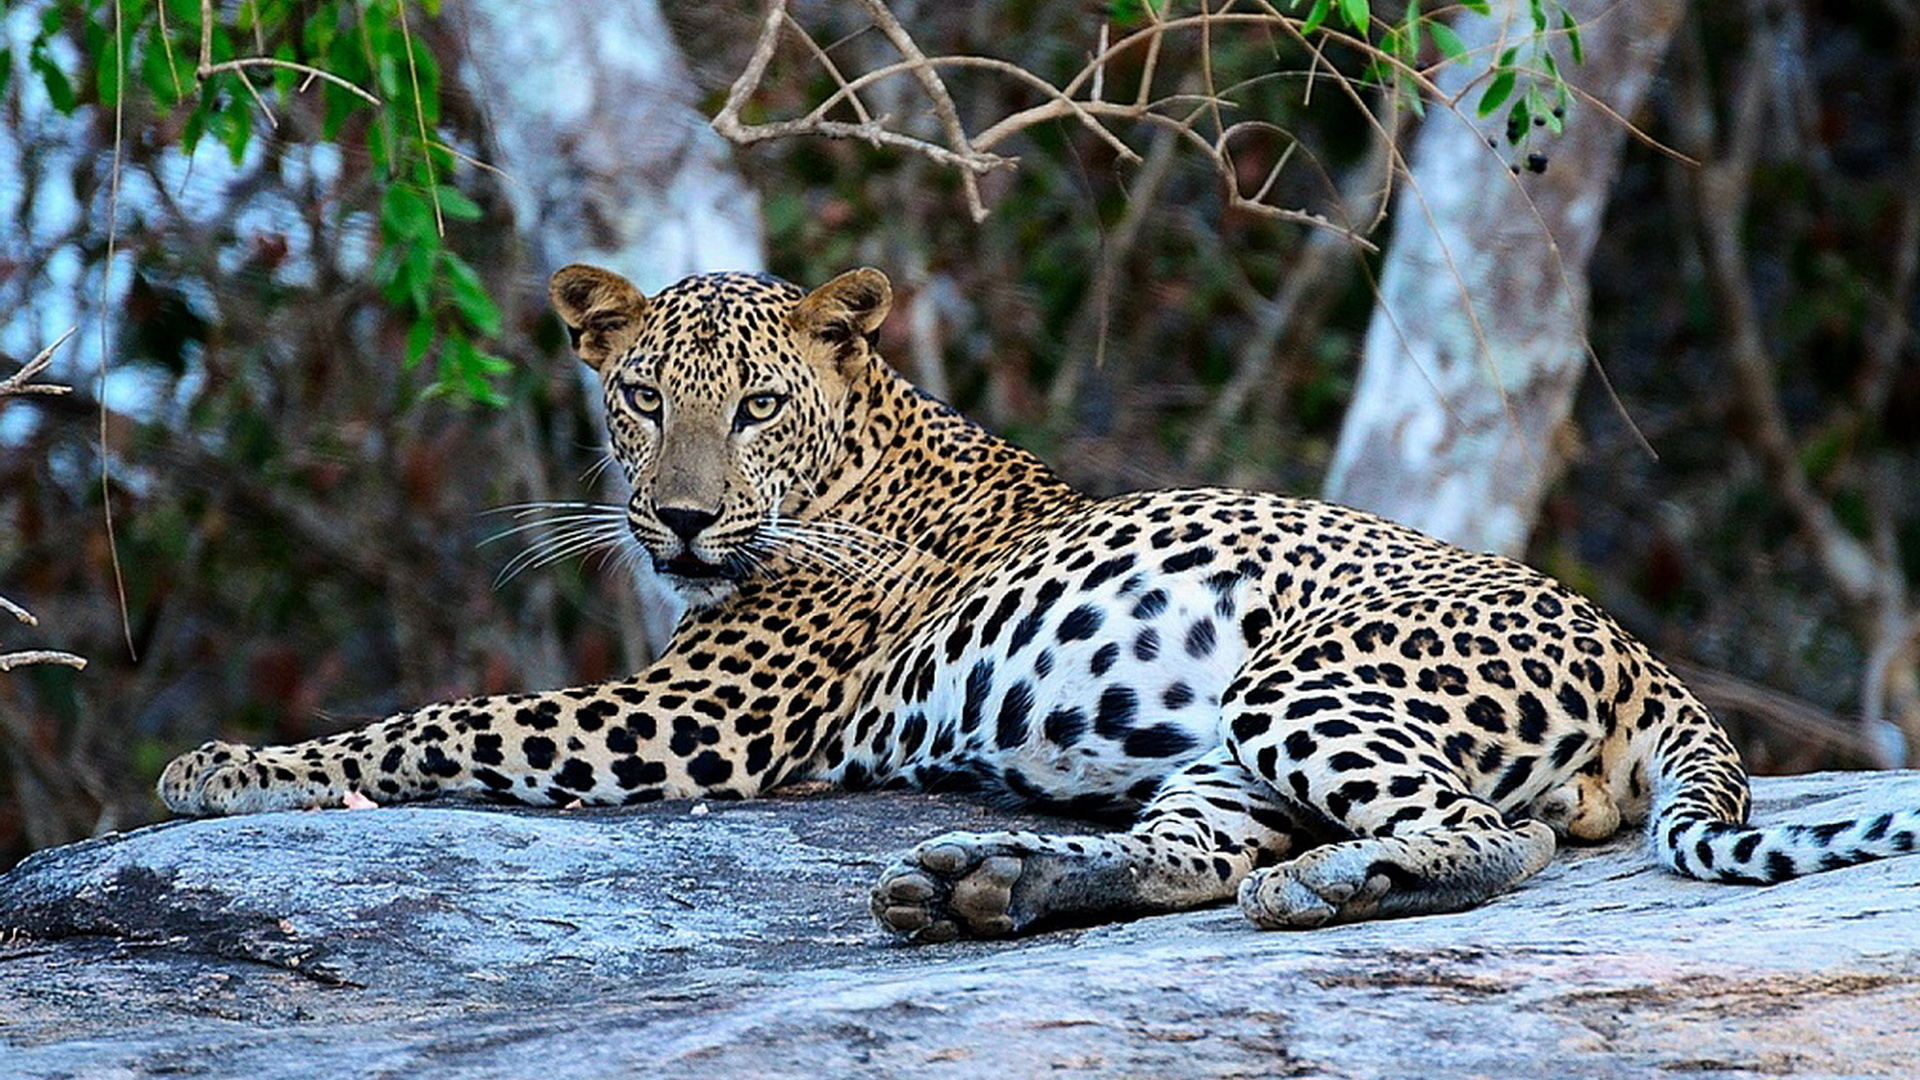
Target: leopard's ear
848,308
602,310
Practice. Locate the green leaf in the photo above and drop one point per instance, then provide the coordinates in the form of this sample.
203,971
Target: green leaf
388,73
1316,16
469,296
1539,12
419,340
161,74
1447,41
1478,7
1517,118
1357,13
1573,37
456,358
236,120
1497,93
418,266
454,204
284,79
191,131
1132,13
1392,43
6,70
59,88
406,216
427,70
109,67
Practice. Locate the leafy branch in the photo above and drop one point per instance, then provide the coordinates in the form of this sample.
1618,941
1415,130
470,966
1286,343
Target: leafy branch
377,84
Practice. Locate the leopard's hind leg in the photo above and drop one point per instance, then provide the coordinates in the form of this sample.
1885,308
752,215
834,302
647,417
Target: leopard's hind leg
1209,825
1446,851
1421,842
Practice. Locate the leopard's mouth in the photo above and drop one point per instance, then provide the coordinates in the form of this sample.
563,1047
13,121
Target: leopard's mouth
693,568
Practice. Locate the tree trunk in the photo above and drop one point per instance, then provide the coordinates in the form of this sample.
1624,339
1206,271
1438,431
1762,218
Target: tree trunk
612,164
1479,337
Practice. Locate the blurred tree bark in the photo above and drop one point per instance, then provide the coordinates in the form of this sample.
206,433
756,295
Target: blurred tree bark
1478,337
614,164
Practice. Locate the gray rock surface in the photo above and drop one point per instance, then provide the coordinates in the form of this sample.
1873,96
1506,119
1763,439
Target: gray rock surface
450,941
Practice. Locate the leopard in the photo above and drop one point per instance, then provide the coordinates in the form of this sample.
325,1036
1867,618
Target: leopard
1291,705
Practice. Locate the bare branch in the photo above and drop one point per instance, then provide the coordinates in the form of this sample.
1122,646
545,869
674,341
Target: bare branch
1083,98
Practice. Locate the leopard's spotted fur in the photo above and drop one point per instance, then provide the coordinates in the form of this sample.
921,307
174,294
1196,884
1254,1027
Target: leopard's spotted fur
1330,715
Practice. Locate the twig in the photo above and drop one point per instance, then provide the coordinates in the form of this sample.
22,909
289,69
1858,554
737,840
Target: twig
18,382
9,661
1312,272
18,612
943,107
106,353
207,68
826,61
311,72
420,115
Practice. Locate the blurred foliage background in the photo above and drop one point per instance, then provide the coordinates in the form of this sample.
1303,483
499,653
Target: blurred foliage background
301,508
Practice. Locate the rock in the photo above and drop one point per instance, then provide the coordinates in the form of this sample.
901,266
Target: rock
664,941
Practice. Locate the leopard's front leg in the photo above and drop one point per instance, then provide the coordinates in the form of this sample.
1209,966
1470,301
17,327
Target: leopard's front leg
662,734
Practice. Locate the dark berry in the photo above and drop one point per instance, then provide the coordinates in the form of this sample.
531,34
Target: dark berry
1537,163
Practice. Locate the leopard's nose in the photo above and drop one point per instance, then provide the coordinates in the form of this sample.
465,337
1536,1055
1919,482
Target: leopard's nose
686,524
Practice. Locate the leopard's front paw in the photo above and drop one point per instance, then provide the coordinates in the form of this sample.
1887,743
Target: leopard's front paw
228,778
957,885
1336,883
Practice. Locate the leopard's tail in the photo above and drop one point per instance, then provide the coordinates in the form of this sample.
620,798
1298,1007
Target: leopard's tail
1698,824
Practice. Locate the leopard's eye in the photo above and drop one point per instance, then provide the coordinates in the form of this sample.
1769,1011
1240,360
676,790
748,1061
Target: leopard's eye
758,409
644,399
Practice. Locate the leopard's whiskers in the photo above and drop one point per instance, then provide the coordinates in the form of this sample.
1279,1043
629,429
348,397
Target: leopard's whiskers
576,528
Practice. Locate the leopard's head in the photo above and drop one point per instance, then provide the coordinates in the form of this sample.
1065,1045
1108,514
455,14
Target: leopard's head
726,399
